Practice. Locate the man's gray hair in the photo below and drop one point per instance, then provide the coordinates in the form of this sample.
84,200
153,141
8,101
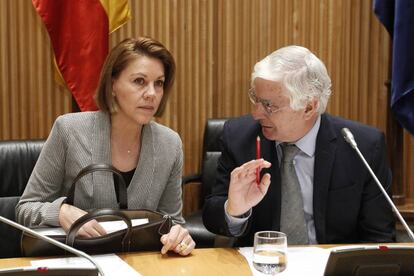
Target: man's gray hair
302,74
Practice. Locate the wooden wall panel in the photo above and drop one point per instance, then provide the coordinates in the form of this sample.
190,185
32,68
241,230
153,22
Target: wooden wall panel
215,44
344,34
185,27
408,168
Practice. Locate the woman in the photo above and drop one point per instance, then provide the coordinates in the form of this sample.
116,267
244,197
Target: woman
134,86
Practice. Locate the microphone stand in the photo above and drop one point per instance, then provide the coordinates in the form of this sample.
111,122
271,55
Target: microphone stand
350,139
52,241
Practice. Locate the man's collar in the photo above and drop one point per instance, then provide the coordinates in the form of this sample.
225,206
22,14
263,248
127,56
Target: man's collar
307,143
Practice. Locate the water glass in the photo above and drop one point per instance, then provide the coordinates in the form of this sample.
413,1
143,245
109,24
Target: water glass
270,252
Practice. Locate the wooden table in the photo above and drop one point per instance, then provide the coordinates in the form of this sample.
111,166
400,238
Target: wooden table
203,261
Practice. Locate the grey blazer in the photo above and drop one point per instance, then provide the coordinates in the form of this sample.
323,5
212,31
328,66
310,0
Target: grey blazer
80,139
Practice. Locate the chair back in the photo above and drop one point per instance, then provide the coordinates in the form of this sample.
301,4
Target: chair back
211,154
9,236
17,160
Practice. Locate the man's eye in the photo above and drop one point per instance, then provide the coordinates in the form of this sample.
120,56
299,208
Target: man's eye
139,81
268,104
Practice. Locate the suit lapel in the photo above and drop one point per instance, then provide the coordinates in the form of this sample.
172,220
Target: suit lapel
144,174
103,184
274,192
268,209
326,144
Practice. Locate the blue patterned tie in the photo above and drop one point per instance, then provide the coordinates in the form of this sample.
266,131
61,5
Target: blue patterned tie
292,217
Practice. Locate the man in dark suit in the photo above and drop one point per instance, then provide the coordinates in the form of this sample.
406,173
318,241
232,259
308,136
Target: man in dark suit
340,202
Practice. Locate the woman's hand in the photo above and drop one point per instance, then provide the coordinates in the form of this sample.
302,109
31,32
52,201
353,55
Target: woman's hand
178,240
68,214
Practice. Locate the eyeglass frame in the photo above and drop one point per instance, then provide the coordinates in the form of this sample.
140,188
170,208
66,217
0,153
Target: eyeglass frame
267,105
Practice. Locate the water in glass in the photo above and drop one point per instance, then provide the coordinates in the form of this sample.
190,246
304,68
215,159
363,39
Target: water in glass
269,252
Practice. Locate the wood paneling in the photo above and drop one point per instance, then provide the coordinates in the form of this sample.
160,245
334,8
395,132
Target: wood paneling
215,43
408,168
186,29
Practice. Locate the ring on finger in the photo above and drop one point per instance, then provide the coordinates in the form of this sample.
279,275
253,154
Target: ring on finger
182,246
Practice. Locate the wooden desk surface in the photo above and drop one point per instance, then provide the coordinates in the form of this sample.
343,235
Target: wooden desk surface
203,261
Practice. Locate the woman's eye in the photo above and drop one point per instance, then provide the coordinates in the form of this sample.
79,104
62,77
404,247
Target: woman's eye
139,81
159,83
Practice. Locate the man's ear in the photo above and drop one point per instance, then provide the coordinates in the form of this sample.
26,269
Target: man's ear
311,108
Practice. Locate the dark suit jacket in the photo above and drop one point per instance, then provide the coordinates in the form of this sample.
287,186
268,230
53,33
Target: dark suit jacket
348,206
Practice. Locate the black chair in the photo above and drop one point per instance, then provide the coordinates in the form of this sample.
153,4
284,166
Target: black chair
17,160
9,236
206,178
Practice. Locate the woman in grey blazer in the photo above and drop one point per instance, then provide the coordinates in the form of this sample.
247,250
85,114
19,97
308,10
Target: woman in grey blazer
134,86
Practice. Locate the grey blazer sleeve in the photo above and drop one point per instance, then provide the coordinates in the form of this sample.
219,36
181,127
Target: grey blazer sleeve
171,199
41,200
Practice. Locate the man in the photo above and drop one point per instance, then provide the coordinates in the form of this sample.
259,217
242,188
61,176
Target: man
324,193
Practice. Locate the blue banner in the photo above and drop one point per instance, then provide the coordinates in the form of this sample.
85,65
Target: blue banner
398,18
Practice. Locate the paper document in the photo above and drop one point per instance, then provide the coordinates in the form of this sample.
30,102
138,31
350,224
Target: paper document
111,264
109,226
310,261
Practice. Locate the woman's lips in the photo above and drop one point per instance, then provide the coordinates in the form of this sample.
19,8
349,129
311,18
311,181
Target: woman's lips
147,107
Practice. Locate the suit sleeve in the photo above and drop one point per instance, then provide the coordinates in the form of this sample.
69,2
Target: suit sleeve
41,200
376,222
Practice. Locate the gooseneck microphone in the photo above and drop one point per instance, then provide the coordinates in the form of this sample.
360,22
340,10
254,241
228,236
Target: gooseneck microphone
350,139
52,241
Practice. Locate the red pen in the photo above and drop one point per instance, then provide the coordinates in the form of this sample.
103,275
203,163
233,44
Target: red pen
258,157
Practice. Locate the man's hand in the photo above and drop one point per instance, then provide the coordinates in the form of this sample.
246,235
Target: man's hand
244,193
68,214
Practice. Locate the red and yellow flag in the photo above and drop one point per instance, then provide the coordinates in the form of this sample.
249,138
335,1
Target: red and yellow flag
79,31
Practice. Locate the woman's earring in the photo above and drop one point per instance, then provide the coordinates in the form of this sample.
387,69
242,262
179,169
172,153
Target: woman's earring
114,105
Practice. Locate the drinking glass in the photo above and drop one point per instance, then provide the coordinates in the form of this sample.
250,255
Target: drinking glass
270,252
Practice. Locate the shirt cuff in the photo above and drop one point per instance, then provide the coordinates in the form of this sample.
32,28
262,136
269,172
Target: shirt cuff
53,210
236,225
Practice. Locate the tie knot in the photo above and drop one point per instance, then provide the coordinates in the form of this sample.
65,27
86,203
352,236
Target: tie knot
289,152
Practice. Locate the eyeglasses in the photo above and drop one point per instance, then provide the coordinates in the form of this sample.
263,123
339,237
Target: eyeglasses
267,105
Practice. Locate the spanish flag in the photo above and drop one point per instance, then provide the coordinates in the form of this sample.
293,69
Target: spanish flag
79,32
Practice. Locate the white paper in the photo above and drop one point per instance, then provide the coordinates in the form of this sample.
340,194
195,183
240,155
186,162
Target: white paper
310,261
109,226
111,264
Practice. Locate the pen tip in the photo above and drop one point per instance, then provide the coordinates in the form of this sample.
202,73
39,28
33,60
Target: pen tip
258,138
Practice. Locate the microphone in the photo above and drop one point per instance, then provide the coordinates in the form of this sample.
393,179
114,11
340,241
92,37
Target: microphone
55,242
349,137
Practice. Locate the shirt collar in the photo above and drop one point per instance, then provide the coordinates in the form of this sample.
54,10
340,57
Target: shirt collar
307,143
